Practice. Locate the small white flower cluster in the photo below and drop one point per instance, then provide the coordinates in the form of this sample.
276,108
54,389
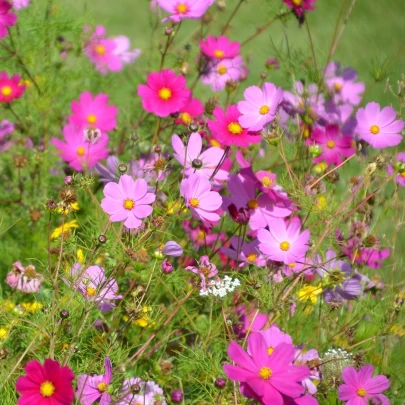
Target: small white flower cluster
219,288
334,361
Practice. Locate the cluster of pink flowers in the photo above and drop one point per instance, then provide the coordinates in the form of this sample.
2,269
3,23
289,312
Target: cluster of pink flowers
25,279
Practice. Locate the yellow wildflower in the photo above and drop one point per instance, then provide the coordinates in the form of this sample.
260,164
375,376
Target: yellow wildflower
174,207
65,211
309,293
320,203
3,333
80,256
31,307
67,226
397,330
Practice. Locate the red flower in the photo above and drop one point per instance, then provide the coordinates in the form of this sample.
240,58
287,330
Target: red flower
48,384
10,88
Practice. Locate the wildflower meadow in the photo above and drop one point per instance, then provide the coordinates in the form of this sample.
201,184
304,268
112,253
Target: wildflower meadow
202,202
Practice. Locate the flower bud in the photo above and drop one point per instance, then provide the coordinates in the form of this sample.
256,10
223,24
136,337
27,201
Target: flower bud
157,149
102,239
167,267
64,314
158,254
220,382
168,31
196,164
399,167
68,180
122,168
272,64
315,150
263,75
172,248
177,396
193,127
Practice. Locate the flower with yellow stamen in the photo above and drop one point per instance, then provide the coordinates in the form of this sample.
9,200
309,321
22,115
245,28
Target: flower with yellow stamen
309,293
67,210
63,228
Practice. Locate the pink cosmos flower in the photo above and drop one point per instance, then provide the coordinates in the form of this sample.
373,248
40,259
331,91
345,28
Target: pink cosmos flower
6,128
268,180
219,48
196,191
309,358
25,279
274,337
300,6
46,384
244,252
96,113
196,161
79,153
93,388
93,284
180,9
379,127
165,93
228,131
128,201
265,377
249,320
226,70
10,87
282,242
205,270
360,387
19,4
192,110
6,19
259,106
334,146
399,178
201,235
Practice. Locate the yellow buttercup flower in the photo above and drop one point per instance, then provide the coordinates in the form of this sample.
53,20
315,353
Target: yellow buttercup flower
309,293
67,226
31,307
3,333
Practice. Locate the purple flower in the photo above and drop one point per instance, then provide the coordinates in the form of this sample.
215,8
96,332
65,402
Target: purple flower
6,128
172,248
379,128
244,252
93,388
167,267
136,391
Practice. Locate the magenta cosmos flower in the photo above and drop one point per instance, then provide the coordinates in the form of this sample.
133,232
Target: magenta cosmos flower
192,110
379,128
180,9
219,48
196,191
227,130
266,377
79,153
334,146
282,242
93,388
196,161
93,112
360,386
300,6
46,384
7,19
165,93
128,201
10,87
259,106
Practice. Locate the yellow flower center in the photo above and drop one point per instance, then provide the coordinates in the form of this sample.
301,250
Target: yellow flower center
129,204
182,8
264,109
185,117
330,144
251,257
215,143
6,90
265,373
306,133
100,49
361,392
219,54
194,202
102,387
201,236
30,272
91,119
337,87
270,350
235,128
267,181
375,129
165,93
47,389
3,333
222,69
297,2
284,246
402,174
253,204
80,151
91,291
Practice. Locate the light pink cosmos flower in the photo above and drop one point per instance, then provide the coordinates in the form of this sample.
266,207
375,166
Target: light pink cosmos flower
265,377
259,106
93,112
282,242
400,177
227,130
19,4
196,161
128,201
180,9
79,153
93,388
219,48
379,128
334,146
165,93
25,279
226,70
300,6
244,252
360,386
205,270
7,19
149,393
196,191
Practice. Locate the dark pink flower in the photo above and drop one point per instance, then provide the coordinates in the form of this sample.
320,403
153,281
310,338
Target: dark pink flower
46,384
359,387
165,93
249,320
219,48
300,6
10,87
228,131
7,19
192,110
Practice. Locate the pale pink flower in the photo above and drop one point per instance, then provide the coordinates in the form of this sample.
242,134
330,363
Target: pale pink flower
181,9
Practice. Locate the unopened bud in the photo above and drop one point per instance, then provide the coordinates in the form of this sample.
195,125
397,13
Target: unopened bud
122,168
193,127
197,164
168,31
167,267
315,150
157,149
177,396
102,239
220,382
